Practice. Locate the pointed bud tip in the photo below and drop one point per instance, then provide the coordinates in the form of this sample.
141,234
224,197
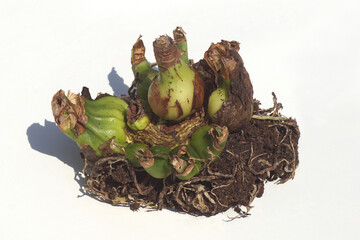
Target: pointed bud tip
179,35
138,52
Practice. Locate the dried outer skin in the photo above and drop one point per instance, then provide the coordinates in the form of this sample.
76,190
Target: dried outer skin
236,111
136,117
228,64
69,113
168,136
186,162
166,52
130,153
181,43
209,78
138,52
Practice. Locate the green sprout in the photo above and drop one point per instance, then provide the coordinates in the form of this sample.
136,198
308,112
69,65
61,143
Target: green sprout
143,72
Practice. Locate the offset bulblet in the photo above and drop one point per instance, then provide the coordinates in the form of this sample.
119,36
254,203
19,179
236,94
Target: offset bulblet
155,161
209,141
93,123
231,103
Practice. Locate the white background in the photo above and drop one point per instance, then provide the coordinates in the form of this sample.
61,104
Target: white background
305,51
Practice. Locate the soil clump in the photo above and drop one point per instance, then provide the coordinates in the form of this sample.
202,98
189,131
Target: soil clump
265,150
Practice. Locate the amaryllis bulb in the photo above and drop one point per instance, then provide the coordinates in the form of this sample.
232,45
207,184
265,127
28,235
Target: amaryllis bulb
178,90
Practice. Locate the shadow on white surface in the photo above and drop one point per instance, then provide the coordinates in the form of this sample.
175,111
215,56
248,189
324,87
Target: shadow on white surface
49,139
117,83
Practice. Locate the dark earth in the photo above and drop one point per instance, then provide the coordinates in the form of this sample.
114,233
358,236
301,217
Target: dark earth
265,150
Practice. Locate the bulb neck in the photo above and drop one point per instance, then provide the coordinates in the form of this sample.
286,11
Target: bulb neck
166,52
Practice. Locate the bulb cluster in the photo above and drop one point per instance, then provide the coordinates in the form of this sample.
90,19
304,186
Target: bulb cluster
195,105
